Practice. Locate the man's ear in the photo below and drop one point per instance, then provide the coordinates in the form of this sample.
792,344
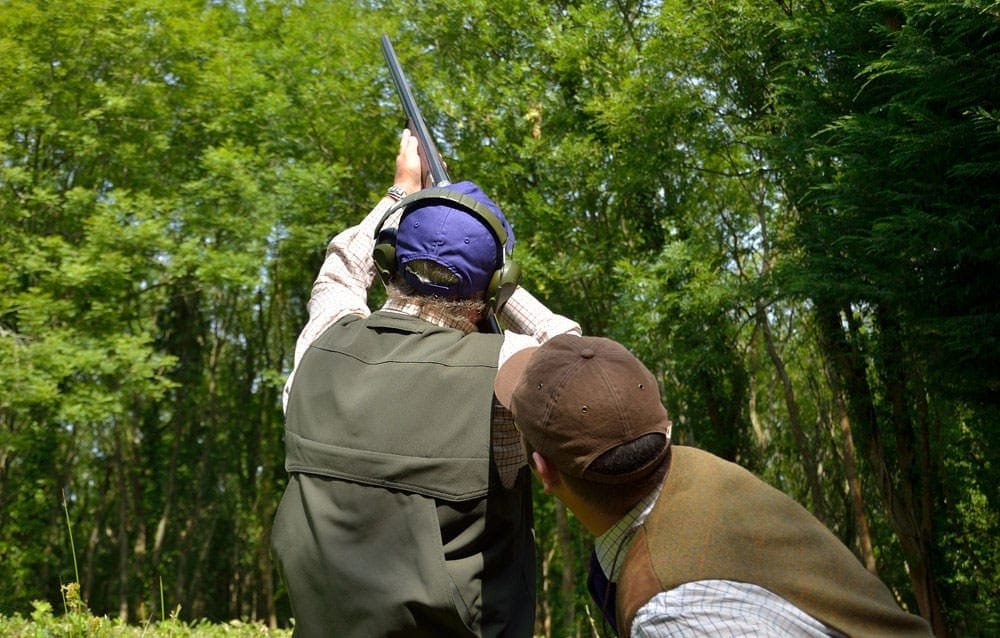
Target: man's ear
546,472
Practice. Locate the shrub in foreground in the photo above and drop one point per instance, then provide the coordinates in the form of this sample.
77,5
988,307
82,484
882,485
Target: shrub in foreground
77,622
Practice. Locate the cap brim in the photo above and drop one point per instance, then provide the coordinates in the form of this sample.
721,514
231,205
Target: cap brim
509,375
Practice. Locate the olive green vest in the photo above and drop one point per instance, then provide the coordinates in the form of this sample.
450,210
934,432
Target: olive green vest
395,401
715,520
394,521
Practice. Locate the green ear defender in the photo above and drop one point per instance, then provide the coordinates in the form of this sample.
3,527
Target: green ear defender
384,253
502,285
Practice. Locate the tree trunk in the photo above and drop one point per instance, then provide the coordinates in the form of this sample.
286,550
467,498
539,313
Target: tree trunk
568,565
894,484
912,513
543,622
123,562
760,436
846,436
806,453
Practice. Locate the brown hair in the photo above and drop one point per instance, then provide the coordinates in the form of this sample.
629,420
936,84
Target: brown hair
618,499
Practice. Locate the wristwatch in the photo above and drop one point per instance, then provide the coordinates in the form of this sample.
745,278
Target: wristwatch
396,192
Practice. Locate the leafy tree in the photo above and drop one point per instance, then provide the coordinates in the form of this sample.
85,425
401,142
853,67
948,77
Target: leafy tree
895,193
787,210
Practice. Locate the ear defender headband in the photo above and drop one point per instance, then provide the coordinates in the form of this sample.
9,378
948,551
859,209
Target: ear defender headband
504,279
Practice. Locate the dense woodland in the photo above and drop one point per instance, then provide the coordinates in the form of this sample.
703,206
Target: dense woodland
787,209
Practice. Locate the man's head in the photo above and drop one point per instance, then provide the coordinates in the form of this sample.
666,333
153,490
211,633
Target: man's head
591,409
444,249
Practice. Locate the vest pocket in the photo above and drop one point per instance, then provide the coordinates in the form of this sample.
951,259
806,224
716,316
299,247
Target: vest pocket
461,527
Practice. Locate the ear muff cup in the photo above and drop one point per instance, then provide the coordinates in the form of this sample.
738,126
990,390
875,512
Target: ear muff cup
384,253
502,285
504,280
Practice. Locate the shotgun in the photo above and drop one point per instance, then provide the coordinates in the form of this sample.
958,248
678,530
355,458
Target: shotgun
429,155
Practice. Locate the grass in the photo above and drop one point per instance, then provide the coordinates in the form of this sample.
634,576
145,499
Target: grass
78,622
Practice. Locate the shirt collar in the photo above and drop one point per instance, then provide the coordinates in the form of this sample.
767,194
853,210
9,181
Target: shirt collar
610,545
416,310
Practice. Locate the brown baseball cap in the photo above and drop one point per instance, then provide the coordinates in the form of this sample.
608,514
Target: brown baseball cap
575,398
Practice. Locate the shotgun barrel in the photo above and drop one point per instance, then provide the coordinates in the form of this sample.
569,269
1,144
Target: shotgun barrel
415,121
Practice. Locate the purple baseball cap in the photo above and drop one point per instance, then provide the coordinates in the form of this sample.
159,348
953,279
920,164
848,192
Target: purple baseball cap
451,236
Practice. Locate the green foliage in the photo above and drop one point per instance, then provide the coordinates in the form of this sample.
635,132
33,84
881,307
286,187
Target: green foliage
892,162
787,210
161,169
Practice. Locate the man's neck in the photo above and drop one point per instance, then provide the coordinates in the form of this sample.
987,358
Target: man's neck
464,324
593,519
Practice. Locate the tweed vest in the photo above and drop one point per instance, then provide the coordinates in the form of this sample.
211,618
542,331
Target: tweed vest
715,520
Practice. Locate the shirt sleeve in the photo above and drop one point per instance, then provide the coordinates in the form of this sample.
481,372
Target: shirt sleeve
724,608
341,287
529,323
